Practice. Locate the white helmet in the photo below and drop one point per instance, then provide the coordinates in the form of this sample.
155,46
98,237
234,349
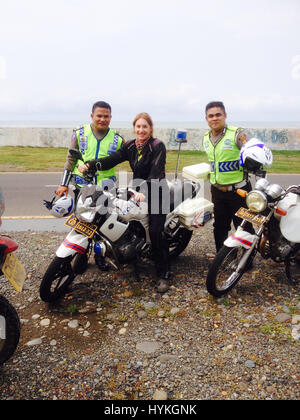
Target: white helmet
62,207
255,154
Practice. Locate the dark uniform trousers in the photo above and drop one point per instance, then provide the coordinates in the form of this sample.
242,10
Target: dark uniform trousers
226,204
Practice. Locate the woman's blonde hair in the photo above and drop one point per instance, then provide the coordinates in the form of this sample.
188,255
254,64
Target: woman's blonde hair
146,117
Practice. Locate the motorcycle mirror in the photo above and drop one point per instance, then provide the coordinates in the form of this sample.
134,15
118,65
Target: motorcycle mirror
76,154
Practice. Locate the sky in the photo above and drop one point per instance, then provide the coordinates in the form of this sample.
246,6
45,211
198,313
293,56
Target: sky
166,57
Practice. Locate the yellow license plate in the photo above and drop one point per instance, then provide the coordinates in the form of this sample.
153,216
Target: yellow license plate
250,216
14,272
86,229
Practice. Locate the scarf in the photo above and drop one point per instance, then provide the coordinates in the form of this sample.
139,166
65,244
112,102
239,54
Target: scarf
141,144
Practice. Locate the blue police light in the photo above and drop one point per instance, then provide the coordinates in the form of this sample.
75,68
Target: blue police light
181,136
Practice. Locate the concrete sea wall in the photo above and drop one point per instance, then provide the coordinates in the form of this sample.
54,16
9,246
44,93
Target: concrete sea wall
276,139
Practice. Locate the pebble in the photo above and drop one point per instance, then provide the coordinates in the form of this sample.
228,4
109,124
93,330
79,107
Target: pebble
73,324
34,342
122,331
142,314
283,317
250,364
45,322
174,311
149,305
148,346
163,358
161,395
295,319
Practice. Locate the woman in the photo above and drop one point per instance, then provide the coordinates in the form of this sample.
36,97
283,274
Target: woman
147,158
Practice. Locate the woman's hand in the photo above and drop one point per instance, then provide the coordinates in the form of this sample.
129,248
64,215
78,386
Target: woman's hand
139,197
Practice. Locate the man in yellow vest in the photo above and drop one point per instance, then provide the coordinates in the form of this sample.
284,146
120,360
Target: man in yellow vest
222,143
95,140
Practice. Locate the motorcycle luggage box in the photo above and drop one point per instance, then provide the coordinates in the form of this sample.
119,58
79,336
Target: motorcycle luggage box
195,212
197,172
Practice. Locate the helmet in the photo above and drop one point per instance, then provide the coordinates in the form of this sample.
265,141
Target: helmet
62,207
255,154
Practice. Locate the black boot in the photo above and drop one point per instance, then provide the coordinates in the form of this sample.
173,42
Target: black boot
163,278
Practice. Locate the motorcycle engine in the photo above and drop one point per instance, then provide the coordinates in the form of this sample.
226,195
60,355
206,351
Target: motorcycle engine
131,244
274,245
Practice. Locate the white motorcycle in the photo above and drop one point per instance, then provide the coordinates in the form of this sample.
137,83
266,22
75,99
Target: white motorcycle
275,216
115,227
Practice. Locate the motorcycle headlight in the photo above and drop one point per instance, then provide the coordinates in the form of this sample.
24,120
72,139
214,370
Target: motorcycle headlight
87,216
84,212
256,201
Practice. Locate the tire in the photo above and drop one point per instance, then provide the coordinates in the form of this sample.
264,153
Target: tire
57,279
222,277
179,242
292,271
10,323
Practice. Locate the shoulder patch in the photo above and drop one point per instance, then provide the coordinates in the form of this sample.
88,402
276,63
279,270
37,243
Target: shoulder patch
121,137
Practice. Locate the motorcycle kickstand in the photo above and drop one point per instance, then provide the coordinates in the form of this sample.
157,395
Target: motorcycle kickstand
136,273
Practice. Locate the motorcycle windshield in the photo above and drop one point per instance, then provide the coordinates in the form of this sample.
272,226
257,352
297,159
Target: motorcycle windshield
2,205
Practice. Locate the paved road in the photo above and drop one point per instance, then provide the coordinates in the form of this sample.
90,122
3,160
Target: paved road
24,194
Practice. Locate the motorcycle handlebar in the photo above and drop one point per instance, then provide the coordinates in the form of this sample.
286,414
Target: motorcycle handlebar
295,189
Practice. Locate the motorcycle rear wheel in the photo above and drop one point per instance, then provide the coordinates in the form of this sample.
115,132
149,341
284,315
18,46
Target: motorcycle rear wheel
57,279
9,328
179,241
222,275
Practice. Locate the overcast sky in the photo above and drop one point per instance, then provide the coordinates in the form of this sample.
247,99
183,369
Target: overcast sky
166,57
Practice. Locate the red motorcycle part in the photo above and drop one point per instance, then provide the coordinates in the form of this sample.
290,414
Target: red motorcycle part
7,245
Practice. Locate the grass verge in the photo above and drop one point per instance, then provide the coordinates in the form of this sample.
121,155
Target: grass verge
43,159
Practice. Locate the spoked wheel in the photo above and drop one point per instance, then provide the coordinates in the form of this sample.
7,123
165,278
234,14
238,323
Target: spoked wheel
9,330
178,239
56,280
222,275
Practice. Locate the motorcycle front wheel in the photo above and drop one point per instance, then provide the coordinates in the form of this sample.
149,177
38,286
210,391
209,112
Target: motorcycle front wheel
57,279
222,275
9,330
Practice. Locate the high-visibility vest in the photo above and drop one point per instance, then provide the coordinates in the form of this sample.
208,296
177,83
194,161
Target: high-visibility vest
224,158
92,148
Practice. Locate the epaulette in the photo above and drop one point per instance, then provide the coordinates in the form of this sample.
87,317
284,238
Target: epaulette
78,128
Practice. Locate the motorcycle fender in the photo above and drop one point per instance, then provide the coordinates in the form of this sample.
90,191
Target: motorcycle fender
240,238
72,244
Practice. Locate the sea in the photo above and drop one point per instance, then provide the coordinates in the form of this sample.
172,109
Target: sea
158,124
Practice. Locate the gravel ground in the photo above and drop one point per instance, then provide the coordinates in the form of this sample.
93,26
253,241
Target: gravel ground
114,338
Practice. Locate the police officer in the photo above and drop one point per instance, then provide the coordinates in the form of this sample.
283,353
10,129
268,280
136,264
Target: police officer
95,140
222,143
